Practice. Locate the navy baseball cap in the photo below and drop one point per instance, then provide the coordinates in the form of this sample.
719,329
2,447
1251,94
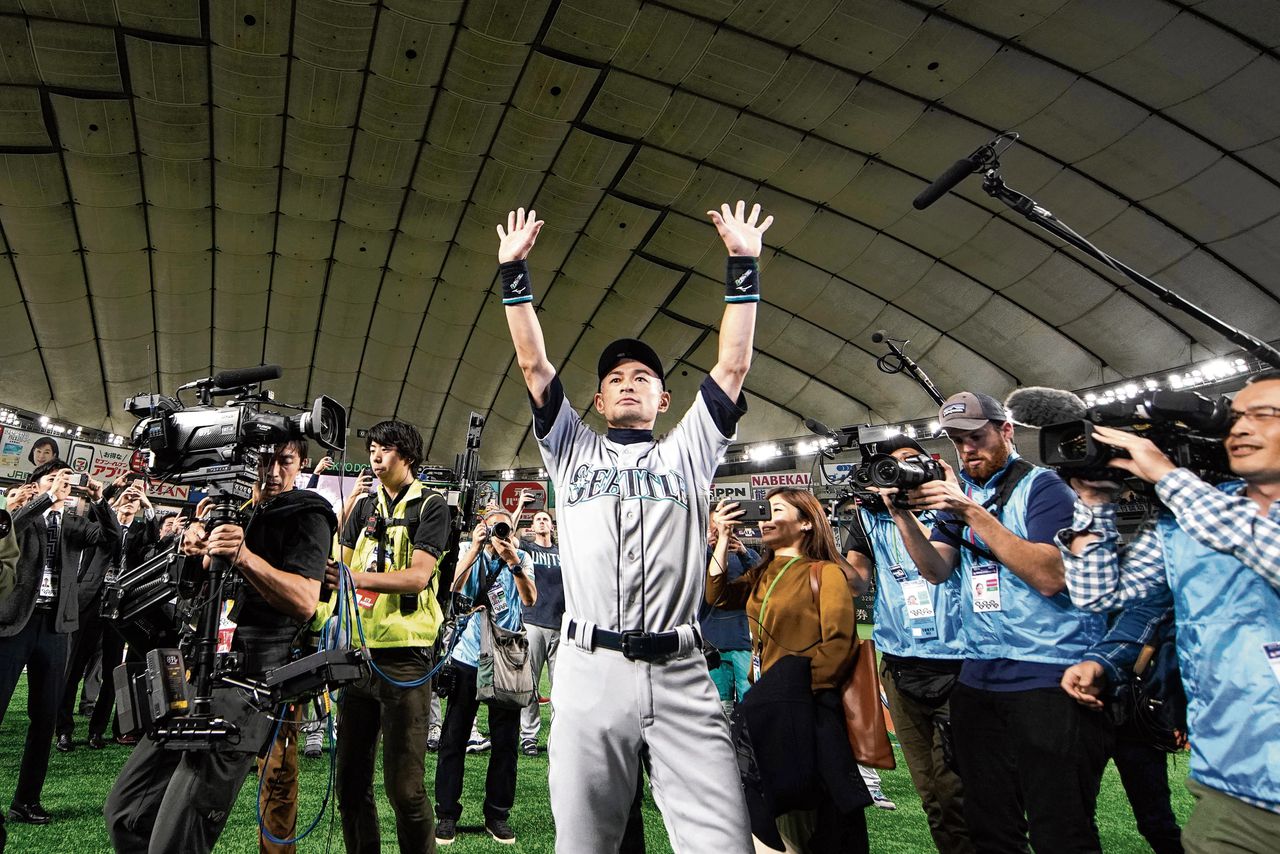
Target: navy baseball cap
628,349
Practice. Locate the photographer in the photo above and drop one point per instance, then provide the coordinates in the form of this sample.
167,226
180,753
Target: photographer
139,531
917,631
37,620
391,540
179,800
1031,758
1217,551
499,576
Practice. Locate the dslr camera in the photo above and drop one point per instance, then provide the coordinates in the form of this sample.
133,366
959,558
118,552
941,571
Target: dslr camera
885,470
1186,426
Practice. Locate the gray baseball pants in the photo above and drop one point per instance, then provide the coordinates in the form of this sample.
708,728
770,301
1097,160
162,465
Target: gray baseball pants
606,708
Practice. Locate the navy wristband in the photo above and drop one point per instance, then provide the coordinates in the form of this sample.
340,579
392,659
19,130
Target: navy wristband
516,287
741,279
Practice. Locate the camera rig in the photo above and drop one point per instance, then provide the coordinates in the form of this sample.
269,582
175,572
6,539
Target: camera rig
219,449
1186,426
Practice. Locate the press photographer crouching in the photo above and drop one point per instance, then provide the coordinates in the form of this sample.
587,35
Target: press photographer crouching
1217,550
168,799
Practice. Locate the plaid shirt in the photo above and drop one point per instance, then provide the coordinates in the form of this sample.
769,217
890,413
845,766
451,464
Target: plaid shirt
1107,575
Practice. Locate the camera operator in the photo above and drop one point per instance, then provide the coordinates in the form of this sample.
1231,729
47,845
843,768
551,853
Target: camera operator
36,621
1217,550
1021,744
179,800
392,541
917,630
499,576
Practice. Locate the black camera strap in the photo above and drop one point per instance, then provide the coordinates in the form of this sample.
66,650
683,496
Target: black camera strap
1017,470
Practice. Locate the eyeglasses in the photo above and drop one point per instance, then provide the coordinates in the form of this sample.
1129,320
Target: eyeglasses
1257,413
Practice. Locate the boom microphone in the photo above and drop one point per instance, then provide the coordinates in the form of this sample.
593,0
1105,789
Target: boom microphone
1037,406
246,376
818,428
956,172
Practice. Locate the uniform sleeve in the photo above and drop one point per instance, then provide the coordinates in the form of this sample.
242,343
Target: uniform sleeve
556,426
432,533
724,412
836,617
701,432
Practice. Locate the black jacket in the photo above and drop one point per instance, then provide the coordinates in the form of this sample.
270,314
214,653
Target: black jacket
800,749
79,536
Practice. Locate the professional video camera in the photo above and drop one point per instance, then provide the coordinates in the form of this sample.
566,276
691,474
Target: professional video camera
1186,426
217,448
219,445
885,470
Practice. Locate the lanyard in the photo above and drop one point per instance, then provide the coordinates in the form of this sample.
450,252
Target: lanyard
765,603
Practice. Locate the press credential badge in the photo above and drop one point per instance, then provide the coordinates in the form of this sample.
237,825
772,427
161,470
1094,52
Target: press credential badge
1272,652
986,588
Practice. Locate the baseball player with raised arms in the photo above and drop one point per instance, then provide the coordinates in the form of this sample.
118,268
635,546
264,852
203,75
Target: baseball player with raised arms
633,513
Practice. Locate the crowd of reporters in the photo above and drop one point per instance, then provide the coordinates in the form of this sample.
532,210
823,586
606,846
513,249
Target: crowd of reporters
1009,613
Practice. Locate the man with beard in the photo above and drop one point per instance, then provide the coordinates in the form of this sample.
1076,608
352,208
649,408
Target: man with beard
1031,758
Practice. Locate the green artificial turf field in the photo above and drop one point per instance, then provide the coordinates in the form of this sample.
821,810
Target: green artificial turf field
79,781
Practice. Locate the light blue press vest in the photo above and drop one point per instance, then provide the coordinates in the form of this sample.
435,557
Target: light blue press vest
1029,626
929,637
1225,613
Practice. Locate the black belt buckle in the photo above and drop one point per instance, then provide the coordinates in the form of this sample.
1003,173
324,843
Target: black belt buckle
641,648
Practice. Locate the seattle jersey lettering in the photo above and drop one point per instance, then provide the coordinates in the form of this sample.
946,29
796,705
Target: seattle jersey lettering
590,483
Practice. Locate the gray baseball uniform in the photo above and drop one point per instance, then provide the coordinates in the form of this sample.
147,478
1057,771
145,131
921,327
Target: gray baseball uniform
633,516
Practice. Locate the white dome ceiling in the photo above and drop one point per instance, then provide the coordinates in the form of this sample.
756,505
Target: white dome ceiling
187,187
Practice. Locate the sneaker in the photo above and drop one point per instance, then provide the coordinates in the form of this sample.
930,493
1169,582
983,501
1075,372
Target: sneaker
478,743
529,748
433,738
446,831
500,831
879,800
313,750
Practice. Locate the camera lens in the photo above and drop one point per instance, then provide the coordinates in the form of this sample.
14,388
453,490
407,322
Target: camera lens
502,530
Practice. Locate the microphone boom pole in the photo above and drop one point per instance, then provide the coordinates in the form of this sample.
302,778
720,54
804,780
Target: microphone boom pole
906,363
994,186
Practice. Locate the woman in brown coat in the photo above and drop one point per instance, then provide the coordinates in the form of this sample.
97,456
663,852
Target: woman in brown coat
786,616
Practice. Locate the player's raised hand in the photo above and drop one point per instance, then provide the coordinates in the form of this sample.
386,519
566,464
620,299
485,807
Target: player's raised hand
740,232
519,235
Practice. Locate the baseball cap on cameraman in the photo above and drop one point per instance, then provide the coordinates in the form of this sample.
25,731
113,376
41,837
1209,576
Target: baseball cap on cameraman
894,443
968,410
627,349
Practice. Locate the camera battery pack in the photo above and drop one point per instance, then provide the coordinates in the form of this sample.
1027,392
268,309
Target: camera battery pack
166,683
